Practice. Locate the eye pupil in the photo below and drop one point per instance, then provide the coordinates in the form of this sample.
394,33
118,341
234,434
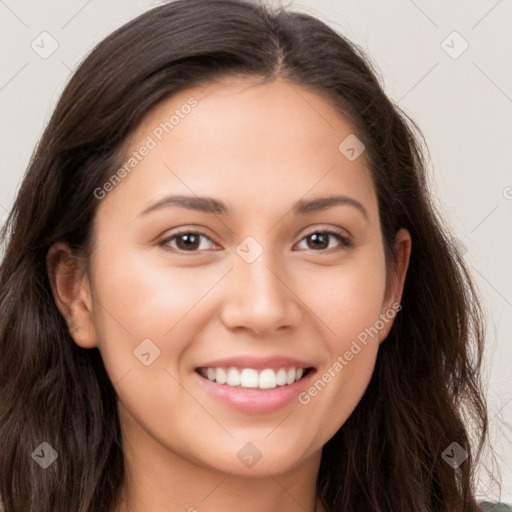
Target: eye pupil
191,241
317,237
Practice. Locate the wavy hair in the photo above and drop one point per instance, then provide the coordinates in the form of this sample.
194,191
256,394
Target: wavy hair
426,390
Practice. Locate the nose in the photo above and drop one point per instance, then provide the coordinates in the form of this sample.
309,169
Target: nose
259,297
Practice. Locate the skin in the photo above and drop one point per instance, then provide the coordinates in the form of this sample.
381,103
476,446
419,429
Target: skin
259,148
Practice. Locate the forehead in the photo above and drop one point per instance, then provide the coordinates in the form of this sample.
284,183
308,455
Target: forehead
251,143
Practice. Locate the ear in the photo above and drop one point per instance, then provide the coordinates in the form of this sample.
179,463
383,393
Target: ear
395,281
72,293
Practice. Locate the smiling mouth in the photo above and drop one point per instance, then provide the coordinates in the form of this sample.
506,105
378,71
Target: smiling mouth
249,378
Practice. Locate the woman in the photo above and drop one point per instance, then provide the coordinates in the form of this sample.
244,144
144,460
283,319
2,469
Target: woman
226,287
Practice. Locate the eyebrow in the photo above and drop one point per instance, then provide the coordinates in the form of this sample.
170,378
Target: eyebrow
214,206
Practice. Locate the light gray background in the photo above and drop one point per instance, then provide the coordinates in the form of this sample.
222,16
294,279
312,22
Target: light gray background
461,101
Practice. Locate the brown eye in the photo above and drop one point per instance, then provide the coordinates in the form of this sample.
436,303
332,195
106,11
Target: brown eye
186,241
321,240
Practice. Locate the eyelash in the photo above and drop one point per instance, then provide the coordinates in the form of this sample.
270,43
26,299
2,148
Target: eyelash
345,242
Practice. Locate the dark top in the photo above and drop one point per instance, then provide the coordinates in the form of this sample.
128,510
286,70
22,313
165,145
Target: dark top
487,506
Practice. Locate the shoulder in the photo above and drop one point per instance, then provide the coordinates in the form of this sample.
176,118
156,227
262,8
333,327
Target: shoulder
488,506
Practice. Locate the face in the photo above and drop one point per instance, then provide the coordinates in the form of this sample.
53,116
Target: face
266,284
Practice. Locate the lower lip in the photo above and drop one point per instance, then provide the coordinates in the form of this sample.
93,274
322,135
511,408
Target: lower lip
255,400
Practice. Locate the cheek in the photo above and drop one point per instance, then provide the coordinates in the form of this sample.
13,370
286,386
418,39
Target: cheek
348,301
136,302
148,315
346,298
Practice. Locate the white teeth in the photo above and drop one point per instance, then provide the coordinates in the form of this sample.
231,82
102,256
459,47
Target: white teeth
233,377
267,379
281,377
290,376
220,376
250,378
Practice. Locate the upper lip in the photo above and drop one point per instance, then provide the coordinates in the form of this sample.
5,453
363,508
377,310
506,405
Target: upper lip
258,363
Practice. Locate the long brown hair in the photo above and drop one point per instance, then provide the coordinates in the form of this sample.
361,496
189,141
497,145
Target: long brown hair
426,390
